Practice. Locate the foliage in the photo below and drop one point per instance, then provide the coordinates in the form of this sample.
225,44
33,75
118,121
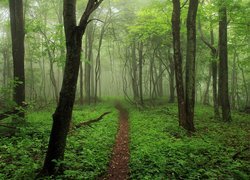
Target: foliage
88,149
160,149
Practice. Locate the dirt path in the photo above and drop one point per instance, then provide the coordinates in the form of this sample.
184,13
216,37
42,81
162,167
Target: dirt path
119,163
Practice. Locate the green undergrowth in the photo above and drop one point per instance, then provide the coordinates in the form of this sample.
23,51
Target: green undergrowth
160,149
88,148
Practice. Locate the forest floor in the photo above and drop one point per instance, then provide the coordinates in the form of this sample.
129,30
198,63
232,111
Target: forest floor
155,148
119,164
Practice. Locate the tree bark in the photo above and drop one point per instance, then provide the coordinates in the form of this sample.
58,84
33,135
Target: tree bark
223,63
17,34
190,64
63,113
178,61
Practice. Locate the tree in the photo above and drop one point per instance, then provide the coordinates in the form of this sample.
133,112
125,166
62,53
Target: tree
185,103
210,43
17,36
63,113
178,61
223,62
190,64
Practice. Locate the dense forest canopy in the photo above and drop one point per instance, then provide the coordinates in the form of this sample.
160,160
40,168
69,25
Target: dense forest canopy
175,57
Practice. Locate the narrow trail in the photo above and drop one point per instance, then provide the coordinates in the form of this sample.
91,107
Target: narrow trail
119,164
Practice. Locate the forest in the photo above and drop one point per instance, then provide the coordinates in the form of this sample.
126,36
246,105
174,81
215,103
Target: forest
134,89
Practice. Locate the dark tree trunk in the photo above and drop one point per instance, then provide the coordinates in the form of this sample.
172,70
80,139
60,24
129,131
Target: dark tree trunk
223,59
190,64
178,61
63,112
17,33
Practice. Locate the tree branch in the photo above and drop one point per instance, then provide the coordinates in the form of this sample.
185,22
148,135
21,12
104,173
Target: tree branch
87,123
204,39
91,6
95,20
184,4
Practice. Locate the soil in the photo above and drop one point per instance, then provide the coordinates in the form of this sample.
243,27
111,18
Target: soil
119,164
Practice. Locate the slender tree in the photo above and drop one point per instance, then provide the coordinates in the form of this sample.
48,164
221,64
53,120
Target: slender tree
223,62
185,103
190,63
17,36
214,66
178,61
140,49
63,113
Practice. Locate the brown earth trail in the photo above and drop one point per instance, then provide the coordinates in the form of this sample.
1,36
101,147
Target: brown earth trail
119,164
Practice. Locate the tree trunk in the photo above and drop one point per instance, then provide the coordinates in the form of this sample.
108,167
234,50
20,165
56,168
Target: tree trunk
234,80
32,84
89,63
178,61
214,55
171,79
134,73
52,76
98,59
63,112
206,93
190,64
81,84
160,81
17,33
140,72
223,59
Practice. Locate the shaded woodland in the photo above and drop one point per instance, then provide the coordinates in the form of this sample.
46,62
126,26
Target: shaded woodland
111,89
